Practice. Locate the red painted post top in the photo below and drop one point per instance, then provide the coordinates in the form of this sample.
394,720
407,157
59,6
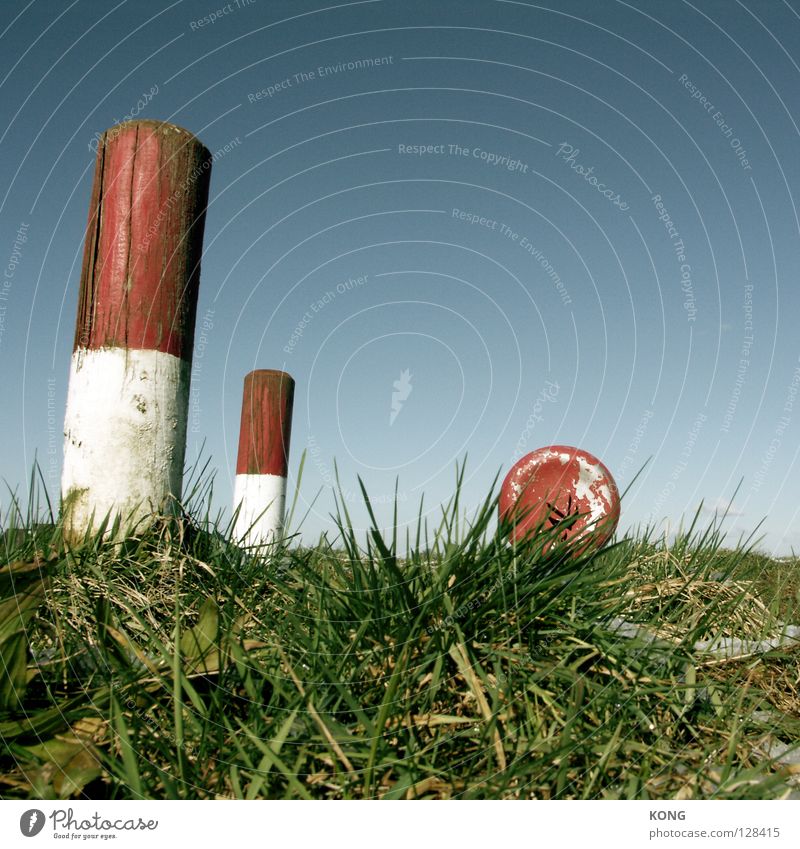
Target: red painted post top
266,426
144,239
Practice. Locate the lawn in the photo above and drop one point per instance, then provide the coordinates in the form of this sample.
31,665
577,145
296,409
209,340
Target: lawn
437,663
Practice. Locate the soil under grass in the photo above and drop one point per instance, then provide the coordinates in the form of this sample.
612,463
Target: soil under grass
179,666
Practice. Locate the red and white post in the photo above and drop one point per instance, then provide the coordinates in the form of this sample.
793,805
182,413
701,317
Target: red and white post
128,397
263,459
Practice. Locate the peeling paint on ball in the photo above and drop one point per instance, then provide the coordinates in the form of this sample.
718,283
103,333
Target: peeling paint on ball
553,483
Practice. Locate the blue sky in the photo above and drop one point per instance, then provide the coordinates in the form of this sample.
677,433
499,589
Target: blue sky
571,222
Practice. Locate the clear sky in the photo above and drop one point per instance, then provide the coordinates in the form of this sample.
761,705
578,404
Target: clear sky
569,222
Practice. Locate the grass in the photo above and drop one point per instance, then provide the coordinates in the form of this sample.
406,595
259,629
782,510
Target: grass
177,665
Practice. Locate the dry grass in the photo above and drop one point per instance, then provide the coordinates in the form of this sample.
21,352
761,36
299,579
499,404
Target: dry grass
665,591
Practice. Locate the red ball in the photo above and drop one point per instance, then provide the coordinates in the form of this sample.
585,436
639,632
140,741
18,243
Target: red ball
552,483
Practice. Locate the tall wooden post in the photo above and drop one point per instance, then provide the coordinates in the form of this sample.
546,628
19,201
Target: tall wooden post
127,403
263,459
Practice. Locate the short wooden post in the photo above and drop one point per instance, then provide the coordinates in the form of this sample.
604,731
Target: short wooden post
128,396
263,459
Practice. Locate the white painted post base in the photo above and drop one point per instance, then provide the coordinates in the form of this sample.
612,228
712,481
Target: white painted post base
124,435
261,500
